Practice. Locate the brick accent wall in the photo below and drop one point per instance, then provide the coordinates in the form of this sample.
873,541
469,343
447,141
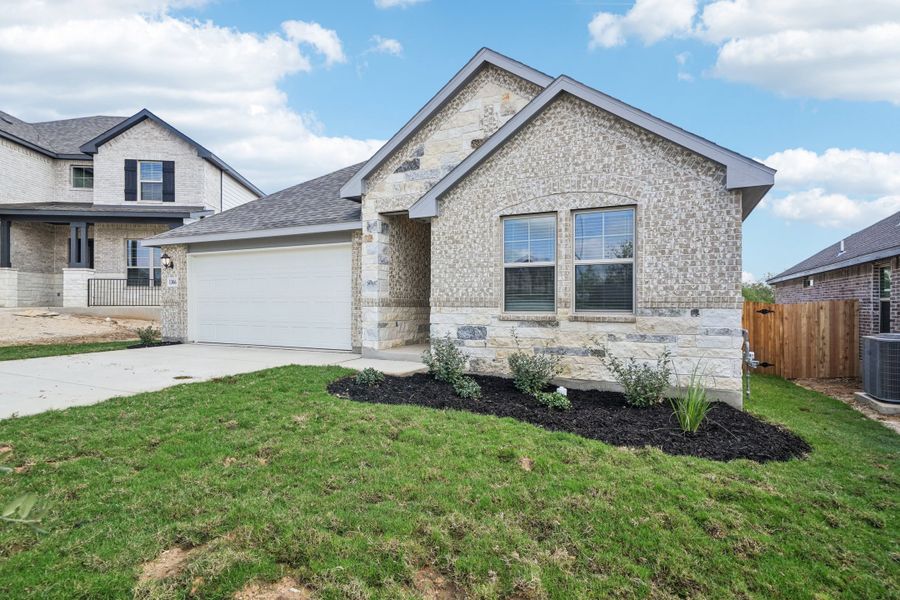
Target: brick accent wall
28,176
173,304
859,282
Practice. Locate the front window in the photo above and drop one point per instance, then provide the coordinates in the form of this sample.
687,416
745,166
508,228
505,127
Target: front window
83,178
884,293
529,264
150,174
604,260
143,268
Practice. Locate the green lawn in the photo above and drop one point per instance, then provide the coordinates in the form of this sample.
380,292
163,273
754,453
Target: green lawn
39,350
275,477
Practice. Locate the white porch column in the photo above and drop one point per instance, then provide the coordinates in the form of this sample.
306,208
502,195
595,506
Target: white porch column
9,287
75,286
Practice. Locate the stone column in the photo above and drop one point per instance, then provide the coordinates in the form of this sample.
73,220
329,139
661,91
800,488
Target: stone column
75,286
173,304
9,288
375,268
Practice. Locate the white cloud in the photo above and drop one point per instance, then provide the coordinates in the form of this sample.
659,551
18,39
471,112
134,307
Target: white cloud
384,45
383,4
217,84
682,58
837,188
833,210
650,20
822,49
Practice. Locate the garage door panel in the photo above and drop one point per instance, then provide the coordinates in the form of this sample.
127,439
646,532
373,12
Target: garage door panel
282,297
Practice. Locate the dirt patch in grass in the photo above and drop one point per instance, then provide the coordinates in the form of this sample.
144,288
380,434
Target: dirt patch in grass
727,433
17,328
431,585
168,564
283,589
844,389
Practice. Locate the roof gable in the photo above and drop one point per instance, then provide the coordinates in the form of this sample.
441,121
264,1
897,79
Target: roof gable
355,187
56,139
92,146
753,178
875,242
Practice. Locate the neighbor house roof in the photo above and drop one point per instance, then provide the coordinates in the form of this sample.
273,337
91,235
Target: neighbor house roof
46,211
881,240
79,138
57,139
314,206
746,174
354,187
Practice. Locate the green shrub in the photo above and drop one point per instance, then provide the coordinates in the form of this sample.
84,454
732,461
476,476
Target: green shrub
445,361
467,388
148,335
533,372
691,407
369,377
644,384
554,400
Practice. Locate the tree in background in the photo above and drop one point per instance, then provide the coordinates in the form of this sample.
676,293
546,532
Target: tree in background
759,291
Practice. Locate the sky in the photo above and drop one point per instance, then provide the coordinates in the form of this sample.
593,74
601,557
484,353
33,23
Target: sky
286,91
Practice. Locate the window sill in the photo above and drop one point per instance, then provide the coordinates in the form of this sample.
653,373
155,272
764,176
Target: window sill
608,318
539,317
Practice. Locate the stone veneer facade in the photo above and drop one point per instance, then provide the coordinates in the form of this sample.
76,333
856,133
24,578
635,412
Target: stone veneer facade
572,156
173,301
859,283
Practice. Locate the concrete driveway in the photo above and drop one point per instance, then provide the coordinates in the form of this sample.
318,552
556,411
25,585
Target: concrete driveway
56,382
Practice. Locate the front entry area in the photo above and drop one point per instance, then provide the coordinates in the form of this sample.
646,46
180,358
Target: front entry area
291,297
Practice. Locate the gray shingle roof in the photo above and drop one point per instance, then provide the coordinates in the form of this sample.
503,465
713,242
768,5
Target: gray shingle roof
59,137
882,237
314,202
88,209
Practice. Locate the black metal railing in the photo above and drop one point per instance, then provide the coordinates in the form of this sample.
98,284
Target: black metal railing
122,292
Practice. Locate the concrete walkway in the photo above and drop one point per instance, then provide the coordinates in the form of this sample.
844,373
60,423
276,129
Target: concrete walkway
56,382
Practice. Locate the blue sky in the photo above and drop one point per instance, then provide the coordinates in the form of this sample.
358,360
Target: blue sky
289,90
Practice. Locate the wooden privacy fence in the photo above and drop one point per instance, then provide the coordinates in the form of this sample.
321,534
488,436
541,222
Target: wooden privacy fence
812,339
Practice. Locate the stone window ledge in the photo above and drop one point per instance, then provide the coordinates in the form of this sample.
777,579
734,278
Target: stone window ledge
540,318
603,318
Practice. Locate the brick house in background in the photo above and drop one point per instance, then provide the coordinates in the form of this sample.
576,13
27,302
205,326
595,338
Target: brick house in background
860,267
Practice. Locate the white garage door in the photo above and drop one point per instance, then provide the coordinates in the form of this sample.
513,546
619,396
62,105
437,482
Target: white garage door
298,296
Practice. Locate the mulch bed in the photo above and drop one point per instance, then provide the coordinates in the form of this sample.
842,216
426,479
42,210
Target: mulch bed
152,345
727,433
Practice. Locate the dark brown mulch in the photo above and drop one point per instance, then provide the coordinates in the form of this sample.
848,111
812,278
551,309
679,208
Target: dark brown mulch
727,433
151,345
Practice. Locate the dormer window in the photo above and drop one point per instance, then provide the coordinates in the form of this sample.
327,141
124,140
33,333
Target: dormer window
150,183
83,178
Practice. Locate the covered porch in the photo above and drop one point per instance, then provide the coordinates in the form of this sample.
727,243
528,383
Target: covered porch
81,254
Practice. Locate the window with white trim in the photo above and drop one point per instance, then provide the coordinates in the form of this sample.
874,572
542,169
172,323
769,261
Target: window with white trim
529,264
82,178
142,264
150,180
604,260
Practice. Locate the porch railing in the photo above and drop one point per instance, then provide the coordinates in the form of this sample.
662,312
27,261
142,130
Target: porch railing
122,292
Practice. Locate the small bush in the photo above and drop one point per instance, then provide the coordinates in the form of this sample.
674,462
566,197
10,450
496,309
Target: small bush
467,388
554,400
445,361
148,335
533,372
691,408
369,377
643,383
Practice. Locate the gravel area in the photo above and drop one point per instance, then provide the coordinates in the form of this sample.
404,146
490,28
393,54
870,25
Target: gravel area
43,326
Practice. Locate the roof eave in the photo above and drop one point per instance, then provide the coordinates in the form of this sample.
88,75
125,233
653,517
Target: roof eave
162,240
850,262
742,173
355,187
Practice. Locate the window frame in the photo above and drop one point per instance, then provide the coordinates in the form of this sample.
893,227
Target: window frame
606,261
72,177
151,267
884,299
141,180
554,263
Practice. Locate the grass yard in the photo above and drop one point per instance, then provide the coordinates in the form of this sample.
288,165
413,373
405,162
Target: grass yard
267,476
40,350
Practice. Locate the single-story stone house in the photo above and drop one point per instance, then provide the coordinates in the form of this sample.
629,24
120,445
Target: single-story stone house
513,210
860,267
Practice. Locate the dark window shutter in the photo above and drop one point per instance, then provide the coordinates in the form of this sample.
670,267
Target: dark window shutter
168,181
130,180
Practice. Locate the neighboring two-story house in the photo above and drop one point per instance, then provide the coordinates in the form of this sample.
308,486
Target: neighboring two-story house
78,195
513,210
864,266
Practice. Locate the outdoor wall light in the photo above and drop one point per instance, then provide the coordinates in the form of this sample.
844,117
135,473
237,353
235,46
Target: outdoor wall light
166,261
